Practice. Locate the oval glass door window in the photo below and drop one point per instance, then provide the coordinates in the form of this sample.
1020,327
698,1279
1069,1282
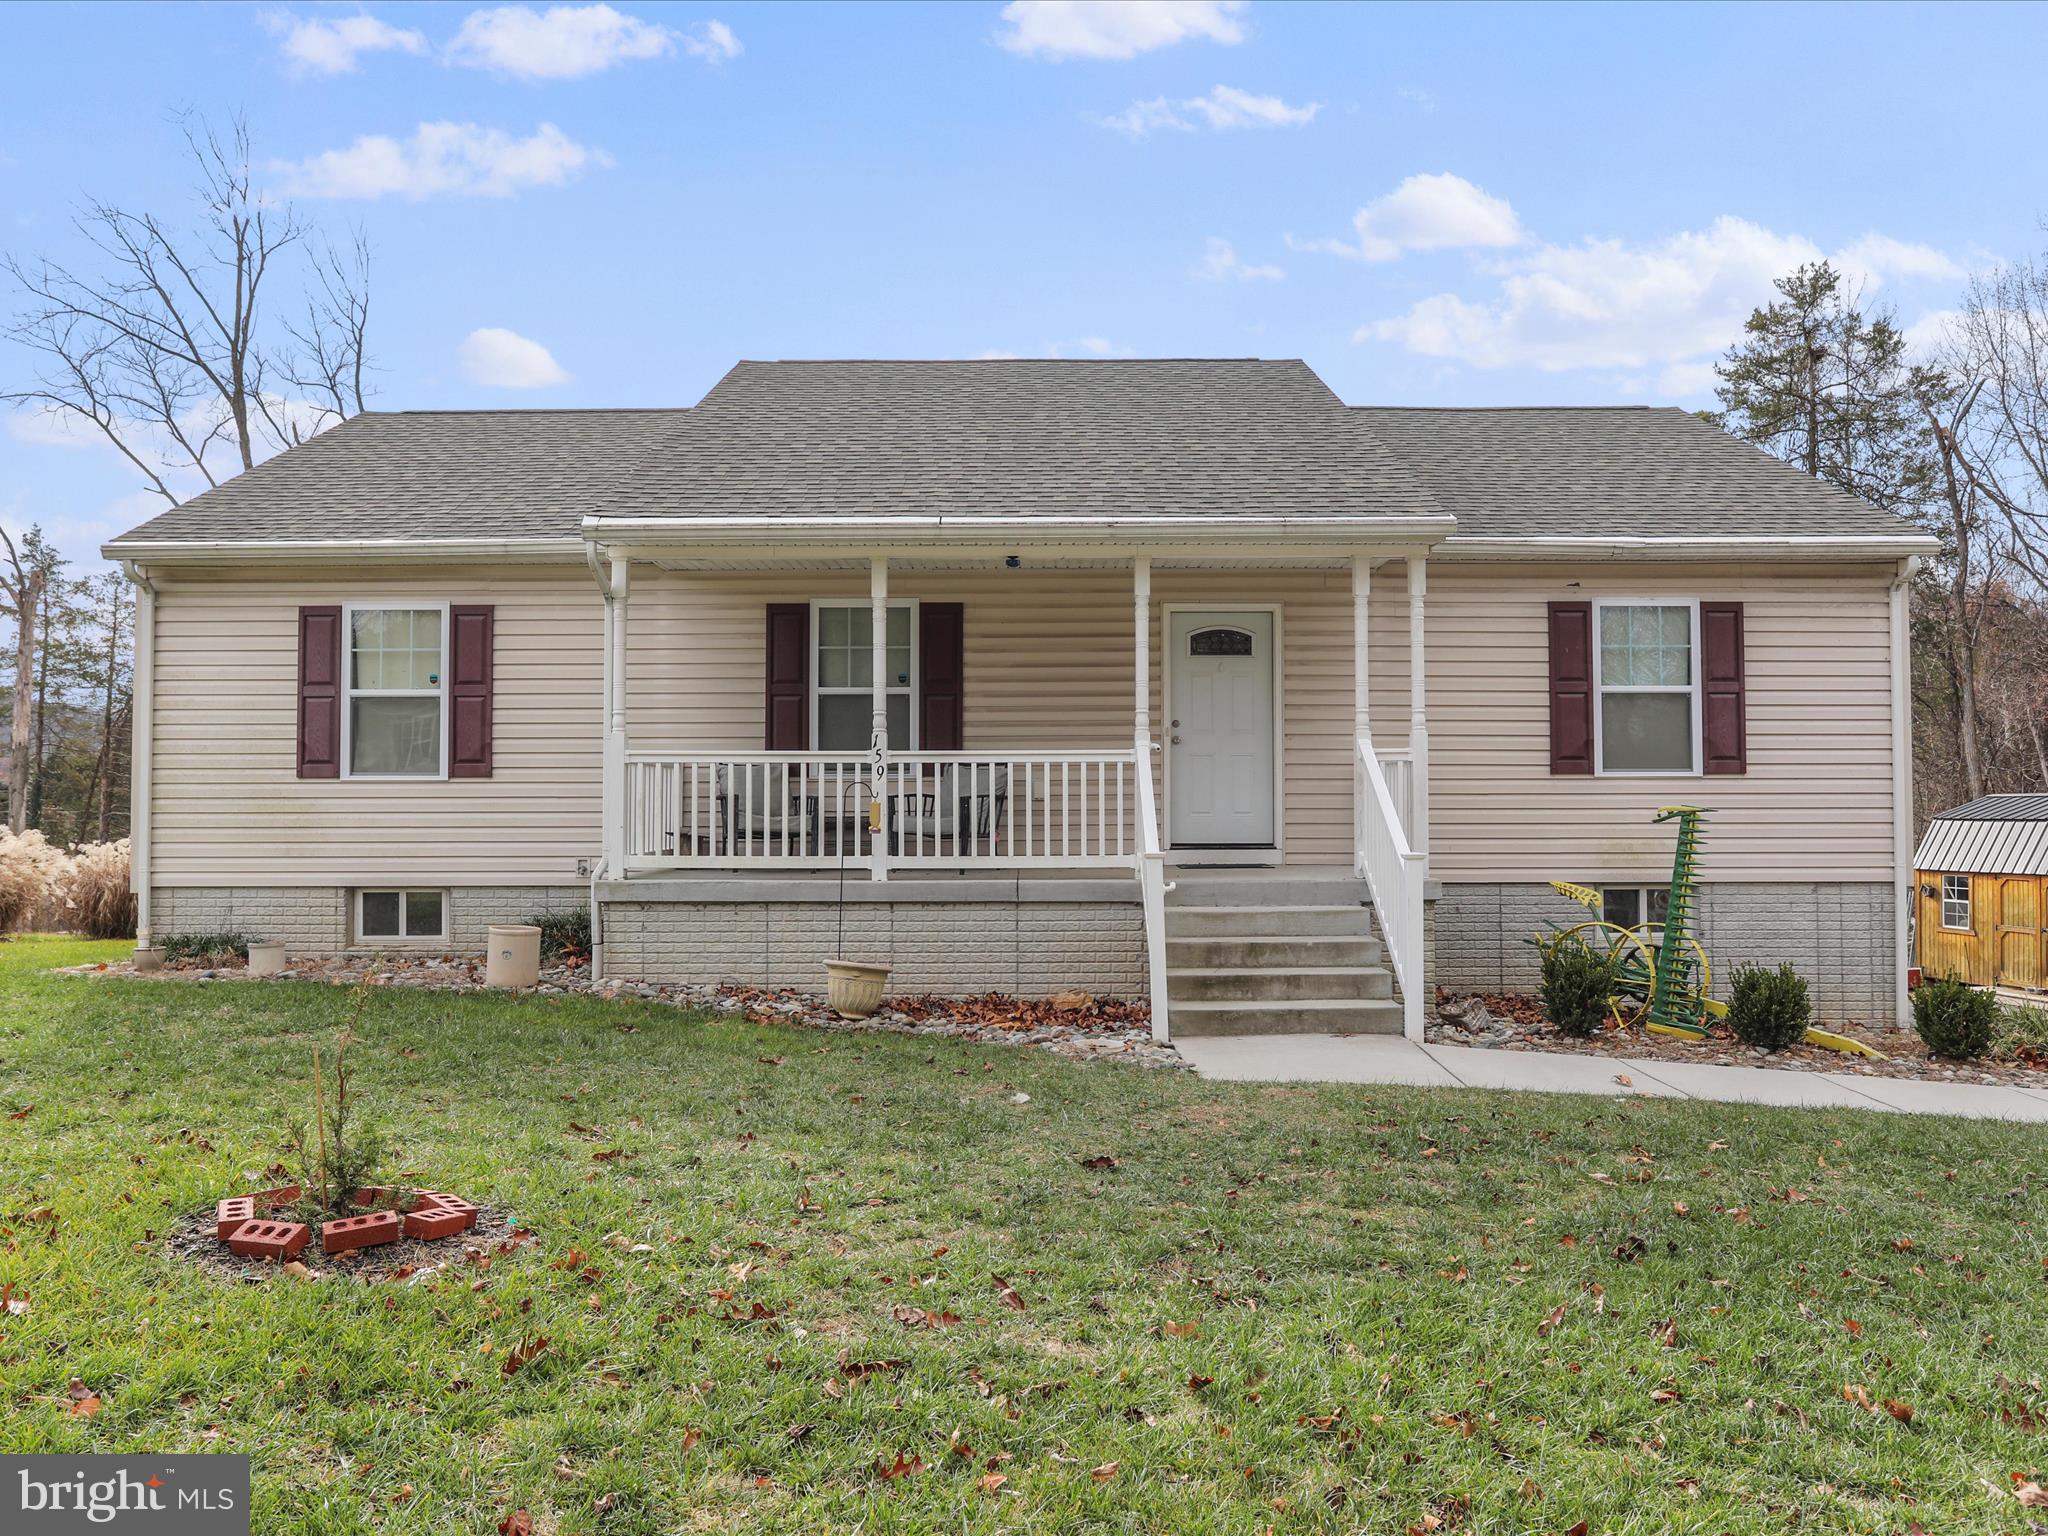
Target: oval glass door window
1220,642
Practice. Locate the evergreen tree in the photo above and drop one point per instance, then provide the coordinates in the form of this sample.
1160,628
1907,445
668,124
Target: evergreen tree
1817,382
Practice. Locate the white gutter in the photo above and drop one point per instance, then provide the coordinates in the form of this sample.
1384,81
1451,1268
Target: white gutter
1004,532
141,747
1705,546
1902,785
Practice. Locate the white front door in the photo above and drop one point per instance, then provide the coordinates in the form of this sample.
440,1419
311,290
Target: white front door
1220,729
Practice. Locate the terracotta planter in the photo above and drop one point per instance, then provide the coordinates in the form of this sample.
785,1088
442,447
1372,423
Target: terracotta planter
266,957
853,989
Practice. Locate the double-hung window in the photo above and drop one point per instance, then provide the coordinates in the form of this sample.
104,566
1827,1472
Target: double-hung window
843,699
395,711
1955,902
1646,677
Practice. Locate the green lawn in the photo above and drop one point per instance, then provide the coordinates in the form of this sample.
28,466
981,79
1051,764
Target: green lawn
1303,1309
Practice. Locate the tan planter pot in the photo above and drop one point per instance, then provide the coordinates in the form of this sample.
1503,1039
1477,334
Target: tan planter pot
514,956
266,958
854,990
151,959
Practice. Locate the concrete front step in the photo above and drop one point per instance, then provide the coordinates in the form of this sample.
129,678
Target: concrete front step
1336,1016
1307,888
1284,950
1355,982
1204,922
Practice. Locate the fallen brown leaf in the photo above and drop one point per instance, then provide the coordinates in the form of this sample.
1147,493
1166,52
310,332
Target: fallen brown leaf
516,1523
1106,1471
1008,1293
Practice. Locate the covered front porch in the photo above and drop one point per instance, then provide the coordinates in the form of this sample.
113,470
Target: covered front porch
925,715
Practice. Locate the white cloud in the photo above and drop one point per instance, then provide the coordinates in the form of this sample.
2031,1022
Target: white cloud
1665,309
505,359
567,42
1223,108
1927,337
441,160
1874,257
1426,213
312,47
1420,99
713,40
1220,261
1115,29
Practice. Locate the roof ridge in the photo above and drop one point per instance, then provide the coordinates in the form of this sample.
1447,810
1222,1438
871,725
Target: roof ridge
533,410
781,362
1502,409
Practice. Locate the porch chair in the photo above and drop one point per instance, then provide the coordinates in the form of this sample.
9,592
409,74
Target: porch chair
964,807
755,805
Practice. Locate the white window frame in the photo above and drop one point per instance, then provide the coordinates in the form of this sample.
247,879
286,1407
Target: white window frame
1600,768
1643,894
401,892
818,605
348,691
1968,924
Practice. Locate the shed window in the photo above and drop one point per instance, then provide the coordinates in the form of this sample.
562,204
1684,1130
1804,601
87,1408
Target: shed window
1648,687
1955,902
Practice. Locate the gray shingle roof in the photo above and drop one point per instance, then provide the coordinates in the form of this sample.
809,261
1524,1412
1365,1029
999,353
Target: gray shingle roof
1601,471
1019,437
428,475
1179,437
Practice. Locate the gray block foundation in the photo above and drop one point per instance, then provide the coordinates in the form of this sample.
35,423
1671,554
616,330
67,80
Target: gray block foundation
1838,935
314,920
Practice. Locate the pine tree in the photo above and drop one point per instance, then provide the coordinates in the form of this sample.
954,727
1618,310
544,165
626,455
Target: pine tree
1817,382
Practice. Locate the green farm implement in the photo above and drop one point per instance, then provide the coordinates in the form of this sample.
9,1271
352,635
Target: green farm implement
1661,973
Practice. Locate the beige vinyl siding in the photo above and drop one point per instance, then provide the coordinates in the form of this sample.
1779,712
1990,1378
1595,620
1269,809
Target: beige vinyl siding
1049,667
1815,805
230,810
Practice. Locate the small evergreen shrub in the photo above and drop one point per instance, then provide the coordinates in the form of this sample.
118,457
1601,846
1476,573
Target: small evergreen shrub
1768,1009
206,948
1577,981
1954,1018
564,936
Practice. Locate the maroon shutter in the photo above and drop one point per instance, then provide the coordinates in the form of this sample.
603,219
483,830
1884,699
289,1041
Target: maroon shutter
1571,687
1725,744
471,632
789,678
941,677
320,693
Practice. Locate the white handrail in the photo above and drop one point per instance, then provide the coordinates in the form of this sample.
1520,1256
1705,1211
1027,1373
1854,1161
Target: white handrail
1151,871
1395,873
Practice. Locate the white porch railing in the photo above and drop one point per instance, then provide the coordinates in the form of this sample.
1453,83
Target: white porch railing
1399,767
1152,889
1395,873
942,810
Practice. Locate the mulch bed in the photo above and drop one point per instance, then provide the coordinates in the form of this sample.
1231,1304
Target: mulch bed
1499,1022
191,1240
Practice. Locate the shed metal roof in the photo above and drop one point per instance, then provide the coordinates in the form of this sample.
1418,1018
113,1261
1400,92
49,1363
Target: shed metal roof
1997,835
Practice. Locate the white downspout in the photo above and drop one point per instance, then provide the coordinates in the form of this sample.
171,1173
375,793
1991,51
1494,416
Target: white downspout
610,810
141,748
1902,784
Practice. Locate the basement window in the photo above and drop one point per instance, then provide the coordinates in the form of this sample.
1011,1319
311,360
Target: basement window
1955,903
402,916
1631,906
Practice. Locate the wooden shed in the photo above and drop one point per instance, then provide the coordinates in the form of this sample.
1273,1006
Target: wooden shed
1978,902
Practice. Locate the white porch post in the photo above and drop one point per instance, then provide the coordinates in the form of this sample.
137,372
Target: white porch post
615,721
878,729
1418,715
1141,631
1361,689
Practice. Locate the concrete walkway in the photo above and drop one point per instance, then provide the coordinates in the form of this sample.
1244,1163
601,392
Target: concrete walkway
1391,1059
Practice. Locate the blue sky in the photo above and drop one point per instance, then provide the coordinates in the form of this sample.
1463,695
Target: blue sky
598,205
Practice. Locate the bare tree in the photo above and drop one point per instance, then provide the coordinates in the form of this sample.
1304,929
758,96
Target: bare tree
164,346
2002,341
1957,509
22,581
